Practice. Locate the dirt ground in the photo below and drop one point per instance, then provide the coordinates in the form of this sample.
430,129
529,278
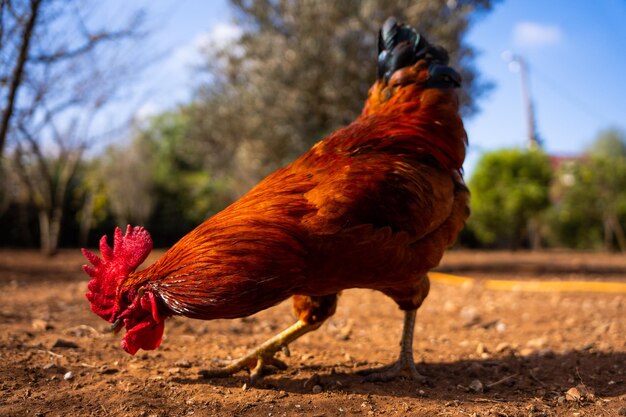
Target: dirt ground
484,353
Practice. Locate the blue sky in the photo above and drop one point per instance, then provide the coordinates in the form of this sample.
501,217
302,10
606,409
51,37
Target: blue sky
575,49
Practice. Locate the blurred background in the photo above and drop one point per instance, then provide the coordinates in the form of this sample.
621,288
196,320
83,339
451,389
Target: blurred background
161,113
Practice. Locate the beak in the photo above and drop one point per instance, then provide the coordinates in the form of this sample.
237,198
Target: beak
117,326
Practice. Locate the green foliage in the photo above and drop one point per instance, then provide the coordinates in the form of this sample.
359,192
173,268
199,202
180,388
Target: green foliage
590,194
509,188
301,69
182,193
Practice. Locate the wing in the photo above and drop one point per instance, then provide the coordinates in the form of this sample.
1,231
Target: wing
383,182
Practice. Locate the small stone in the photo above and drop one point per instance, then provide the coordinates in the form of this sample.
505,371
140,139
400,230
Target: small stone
469,315
500,327
476,386
182,363
41,325
536,343
502,347
49,366
173,371
244,387
316,389
60,343
526,352
68,376
481,349
573,394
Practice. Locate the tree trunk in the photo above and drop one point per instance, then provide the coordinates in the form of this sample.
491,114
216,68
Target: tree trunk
86,219
618,232
44,233
608,236
49,231
18,72
534,234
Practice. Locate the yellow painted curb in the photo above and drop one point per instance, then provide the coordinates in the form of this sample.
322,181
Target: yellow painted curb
530,286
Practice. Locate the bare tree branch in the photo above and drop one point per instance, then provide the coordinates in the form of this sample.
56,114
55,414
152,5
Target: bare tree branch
16,78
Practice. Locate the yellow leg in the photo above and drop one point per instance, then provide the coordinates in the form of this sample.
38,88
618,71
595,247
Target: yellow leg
404,366
263,355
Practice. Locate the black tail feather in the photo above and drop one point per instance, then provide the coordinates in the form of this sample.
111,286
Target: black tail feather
400,45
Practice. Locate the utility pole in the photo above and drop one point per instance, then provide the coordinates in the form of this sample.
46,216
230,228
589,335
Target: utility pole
533,140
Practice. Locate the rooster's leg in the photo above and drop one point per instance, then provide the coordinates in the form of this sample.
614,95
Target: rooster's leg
263,355
408,299
311,311
404,366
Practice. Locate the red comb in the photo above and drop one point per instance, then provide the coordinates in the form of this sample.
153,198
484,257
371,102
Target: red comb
128,252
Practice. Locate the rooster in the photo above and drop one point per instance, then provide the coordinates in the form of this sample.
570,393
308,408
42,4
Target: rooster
373,205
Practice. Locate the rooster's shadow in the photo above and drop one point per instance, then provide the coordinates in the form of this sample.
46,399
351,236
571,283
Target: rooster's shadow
508,378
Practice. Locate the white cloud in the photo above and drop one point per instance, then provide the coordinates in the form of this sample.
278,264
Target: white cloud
531,34
189,54
147,110
221,35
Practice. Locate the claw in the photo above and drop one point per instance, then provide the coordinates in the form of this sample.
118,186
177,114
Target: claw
393,371
260,359
285,350
257,373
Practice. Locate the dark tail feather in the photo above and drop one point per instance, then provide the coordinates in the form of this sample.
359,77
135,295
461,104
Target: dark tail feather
400,46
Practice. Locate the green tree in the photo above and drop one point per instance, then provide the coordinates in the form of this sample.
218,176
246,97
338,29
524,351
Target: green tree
157,181
510,191
591,206
302,68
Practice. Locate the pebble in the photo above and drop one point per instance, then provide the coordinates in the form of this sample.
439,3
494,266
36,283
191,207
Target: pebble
481,349
573,394
536,343
502,347
316,389
182,363
500,327
476,386
60,343
68,376
469,315
41,325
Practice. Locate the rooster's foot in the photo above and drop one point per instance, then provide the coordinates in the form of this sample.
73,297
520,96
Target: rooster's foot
261,359
403,367
258,366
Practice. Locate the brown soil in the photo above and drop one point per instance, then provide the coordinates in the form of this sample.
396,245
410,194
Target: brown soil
534,354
